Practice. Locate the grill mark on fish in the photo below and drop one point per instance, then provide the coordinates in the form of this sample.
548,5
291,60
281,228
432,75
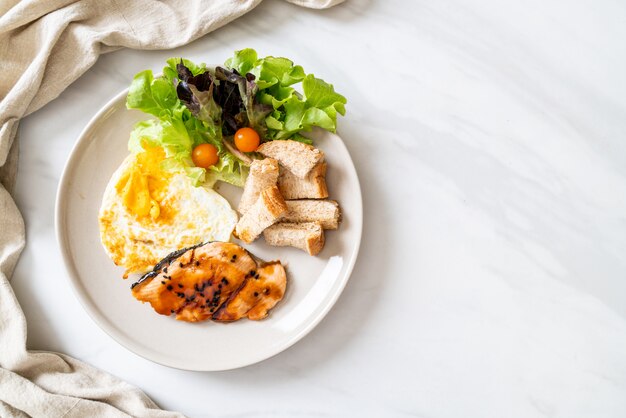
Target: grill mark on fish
161,265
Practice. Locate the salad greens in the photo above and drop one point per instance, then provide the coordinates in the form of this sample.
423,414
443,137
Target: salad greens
194,105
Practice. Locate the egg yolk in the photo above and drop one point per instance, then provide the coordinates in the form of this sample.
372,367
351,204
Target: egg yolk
143,185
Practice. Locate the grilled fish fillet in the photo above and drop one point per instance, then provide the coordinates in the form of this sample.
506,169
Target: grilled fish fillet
217,280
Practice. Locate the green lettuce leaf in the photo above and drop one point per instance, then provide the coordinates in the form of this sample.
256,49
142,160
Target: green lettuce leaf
272,71
150,95
322,95
172,136
243,61
229,169
318,107
275,77
144,132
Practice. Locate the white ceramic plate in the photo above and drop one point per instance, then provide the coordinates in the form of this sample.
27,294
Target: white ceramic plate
314,283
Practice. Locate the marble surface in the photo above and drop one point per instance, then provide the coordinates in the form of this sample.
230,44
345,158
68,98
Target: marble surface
489,137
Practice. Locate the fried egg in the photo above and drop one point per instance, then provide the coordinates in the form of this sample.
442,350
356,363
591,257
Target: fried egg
147,213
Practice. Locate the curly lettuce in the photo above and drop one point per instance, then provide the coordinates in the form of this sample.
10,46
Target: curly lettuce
178,131
193,104
293,112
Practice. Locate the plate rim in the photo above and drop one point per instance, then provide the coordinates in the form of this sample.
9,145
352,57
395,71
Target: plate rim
100,320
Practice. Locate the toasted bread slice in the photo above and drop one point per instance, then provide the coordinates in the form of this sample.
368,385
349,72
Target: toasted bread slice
326,212
307,236
297,157
268,208
263,174
313,186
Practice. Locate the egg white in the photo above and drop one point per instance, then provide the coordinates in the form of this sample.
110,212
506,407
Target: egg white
201,214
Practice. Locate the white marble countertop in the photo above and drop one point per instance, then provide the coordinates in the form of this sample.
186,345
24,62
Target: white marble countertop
489,137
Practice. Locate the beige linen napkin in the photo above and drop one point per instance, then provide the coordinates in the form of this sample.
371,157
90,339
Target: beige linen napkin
44,47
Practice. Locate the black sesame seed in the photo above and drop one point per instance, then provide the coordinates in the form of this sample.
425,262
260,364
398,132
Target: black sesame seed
162,282
256,294
169,287
219,286
180,294
197,263
257,276
180,285
171,310
165,270
212,309
224,280
180,265
252,273
267,291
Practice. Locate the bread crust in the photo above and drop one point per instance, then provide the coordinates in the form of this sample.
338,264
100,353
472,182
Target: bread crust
297,157
307,236
263,174
265,212
326,212
312,186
